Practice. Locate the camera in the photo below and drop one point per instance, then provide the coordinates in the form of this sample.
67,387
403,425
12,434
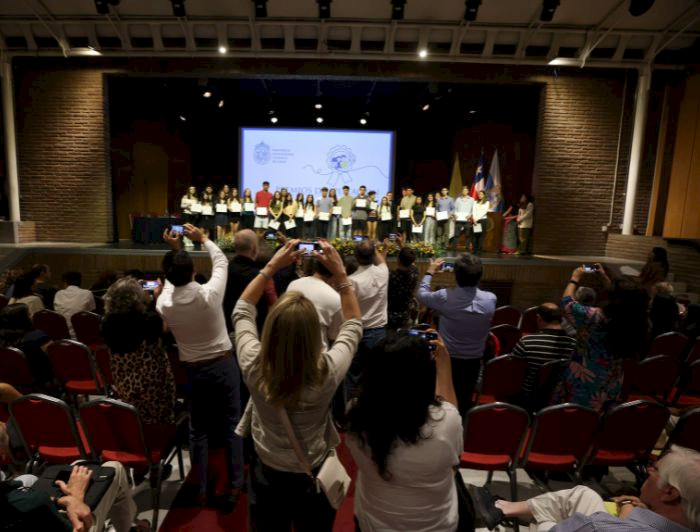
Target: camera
447,267
179,229
590,268
393,237
427,336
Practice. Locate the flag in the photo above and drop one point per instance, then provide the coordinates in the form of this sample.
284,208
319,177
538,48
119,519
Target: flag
493,185
456,180
479,177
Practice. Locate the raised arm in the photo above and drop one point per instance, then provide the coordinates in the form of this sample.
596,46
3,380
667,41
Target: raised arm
219,263
444,386
424,295
332,261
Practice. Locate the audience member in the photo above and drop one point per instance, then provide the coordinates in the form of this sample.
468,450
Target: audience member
371,282
317,289
402,288
289,369
691,322
663,315
550,343
669,501
73,299
194,314
16,330
405,435
42,286
586,296
594,376
465,318
22,293
655,269
351,264
141,373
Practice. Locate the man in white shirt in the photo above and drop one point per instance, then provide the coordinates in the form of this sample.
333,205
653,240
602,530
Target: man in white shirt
194,314
371,282
73,299
464,206
525,221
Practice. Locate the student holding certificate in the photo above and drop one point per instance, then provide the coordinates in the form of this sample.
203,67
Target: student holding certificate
372,215
417,219
221,214
429,224
404,211
186,203
262,204
276,208
360,207
323,211
385,218
479,214
235,209
207,219
299,214
290,209
309,216
335,215
345,202
443,215
463,218
248,213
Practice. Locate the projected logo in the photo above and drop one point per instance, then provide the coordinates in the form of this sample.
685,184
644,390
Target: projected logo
340,161
261,154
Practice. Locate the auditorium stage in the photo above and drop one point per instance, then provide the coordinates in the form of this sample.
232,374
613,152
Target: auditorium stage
520,281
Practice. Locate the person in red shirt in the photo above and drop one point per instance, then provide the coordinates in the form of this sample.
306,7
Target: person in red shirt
262,199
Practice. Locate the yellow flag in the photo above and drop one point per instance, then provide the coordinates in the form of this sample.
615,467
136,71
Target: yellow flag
456,184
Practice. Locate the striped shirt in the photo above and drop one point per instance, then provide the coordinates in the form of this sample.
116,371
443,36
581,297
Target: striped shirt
541,347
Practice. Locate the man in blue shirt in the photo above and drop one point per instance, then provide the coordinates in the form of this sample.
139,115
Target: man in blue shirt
464,206
465,319
445,204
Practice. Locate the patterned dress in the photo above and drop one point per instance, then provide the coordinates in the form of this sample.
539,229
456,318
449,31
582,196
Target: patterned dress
603,391
402,290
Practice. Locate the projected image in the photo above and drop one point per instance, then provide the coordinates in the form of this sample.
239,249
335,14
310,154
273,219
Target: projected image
305,160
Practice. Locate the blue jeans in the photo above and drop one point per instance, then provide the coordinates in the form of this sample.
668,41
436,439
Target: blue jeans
215,410
370,340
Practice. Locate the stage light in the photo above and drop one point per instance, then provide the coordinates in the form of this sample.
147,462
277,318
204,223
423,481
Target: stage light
273,119
223,49
548,9
472,112
639,7
423,53
319,120
363,121
207,94
318,105
472,7
426,107
565,61
221,104
260,8
397,9
102,7
178,8
182,117
324,8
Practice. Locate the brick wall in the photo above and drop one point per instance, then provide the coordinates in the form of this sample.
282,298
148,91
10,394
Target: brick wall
65,182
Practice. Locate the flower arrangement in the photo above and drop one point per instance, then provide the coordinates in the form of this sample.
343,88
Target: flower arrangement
421,249
343,246
226,244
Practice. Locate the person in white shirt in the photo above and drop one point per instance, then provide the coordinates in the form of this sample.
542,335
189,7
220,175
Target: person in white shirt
371,281
73,299
526,214
405,435
194,314
463,208
480,213
317,289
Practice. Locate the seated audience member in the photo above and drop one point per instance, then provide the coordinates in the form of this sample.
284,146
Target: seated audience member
73,299
669,501
141,373
663,315
655,269
22,293
402,288
405,435
288,368
42,286
465,314
691,322
24,508
16,330
550,343
586,296
605,337
317,289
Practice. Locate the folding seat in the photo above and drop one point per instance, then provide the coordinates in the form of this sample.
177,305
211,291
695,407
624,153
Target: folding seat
671,344
86,326
502,379
508,336
14,369
73,367
653,379
687,394
686,433
528,322
507,314
52,323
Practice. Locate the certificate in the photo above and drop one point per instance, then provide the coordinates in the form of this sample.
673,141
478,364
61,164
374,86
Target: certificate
417,229
337,211
360,203
430,211
207,210
404,214
290,224
235,207
477,228
347,221
461,216
386,216
324,216
274,224
221,207
372,205
442,215
309,216
196,207
261,211
249,207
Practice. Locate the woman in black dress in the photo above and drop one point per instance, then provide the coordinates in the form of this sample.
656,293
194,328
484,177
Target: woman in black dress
235,208
309,212
290,209
248,216
299,215
221,214
417,219
207,221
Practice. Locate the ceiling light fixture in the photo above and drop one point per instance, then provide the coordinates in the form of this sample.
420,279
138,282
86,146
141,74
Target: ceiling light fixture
426,107
274,119
324,8
260,8
397,9
565,61
221,104
423,53
319,119
548,9
363,121
472,8
207,94
178,8
223,49
182,117
318,105
85,51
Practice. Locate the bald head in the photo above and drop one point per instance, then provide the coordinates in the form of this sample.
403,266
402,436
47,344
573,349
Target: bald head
549,316
246,243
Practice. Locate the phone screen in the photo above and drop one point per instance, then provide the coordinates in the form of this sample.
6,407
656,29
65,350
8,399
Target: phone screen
178,229
306,247
447,267
150,285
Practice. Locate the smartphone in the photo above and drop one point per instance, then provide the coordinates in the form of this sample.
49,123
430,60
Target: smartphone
427,336
309,247
270,236
358,238
590,268
179,229
149,285
393,236
447,267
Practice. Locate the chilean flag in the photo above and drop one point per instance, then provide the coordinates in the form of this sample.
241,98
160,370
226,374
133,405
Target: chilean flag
479,177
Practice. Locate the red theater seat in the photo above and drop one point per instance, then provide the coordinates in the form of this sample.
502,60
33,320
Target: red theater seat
52,323
508,315
671,344
508,336
73,367
528,323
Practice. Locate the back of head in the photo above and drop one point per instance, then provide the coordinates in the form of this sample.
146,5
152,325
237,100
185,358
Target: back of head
549,313
319,268
39,270
407,256
351,264
178,267
585,295
15,321
364,252
663,288
468,270
660,255
626,311
290,349
245,243
680,468
663,314
23,286
125,311
396,391
72,278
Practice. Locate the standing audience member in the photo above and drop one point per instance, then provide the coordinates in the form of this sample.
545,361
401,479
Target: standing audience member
465,318
655,269
194,314
73,299
405,435
141,373
371,283
42,284
605,336
525,219
22,293
402,288
586,296
16,330
287,369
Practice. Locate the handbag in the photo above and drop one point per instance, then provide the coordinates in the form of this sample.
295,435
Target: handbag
465,505
331,477
100,481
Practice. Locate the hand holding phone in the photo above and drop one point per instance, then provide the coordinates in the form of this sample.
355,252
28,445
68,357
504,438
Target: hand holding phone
179,229
149,285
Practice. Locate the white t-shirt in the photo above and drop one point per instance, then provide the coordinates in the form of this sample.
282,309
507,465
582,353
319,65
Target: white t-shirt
71,300
421,493
327,303
371,285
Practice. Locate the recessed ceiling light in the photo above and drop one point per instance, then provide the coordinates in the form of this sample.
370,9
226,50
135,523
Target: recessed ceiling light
363,121
274,119
565,61
426,107
182,117
319,120
207,94
319,106
223,49
221,104
423,54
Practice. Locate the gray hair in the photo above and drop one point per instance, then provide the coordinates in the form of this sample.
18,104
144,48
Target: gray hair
585,295
680,468
125,295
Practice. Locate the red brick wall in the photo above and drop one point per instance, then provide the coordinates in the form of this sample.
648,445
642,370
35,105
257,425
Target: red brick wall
65,182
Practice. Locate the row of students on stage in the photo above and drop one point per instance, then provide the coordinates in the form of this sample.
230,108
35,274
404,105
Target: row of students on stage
437,218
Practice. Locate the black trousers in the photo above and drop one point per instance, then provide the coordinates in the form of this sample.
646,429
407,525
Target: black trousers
465,373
